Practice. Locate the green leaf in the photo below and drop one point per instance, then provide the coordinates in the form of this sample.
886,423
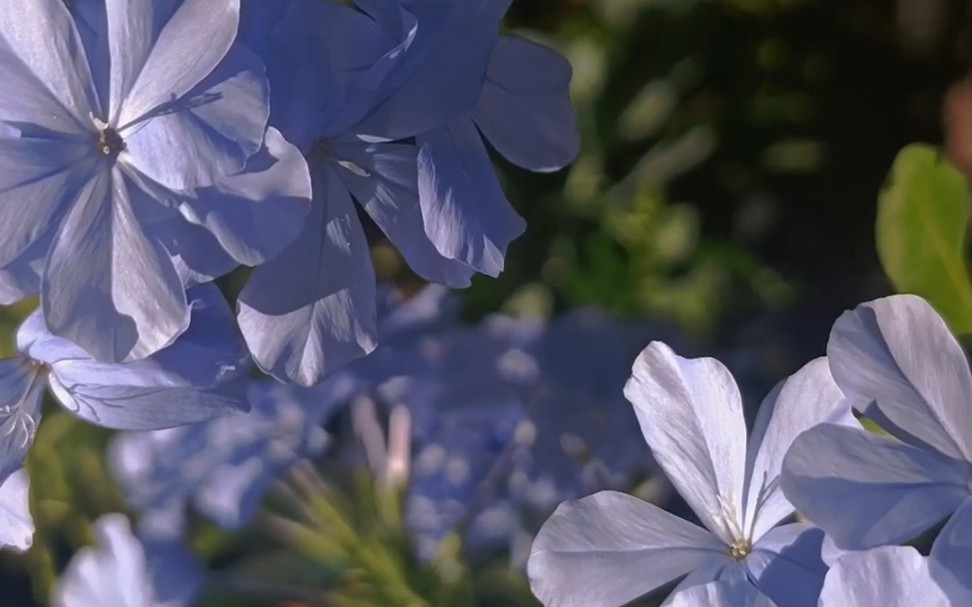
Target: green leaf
922,222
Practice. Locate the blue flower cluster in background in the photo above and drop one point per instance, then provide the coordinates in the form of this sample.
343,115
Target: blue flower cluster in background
190,192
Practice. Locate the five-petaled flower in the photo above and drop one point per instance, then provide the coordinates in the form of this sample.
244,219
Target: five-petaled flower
610,548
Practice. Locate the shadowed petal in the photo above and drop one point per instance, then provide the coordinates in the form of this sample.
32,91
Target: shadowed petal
610,548
107,287
866,490
898,352
952,549
691,415
786,565
892,576
524,110
312,309
467,216
260,211
383,178
807,398
16,523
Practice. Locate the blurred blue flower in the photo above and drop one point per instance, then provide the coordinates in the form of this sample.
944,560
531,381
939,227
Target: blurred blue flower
130,134
224,467
611,548
124,571
899,364
16,523
383,105
891,576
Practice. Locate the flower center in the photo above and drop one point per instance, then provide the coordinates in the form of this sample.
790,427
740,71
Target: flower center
110,143
740,549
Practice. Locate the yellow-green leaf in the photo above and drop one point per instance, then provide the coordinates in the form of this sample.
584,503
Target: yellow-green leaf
922,222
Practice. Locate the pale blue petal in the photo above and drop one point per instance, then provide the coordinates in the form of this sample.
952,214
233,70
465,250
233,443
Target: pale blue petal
312,309
196,139
892,576
16,523
524,110
952,549
122,572
866,490
159,61
40,38
466,214
112,573
197,378
108,287
721,594
805,399
257,213
690,412
608,549
786,565
898,352
21,395
383,178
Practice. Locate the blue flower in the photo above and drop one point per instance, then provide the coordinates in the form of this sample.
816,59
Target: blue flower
898,362
377,126
224,467
132,133
124,571
610,548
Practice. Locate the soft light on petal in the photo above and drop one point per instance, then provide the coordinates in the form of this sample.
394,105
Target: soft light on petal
807,398
952,550
892,576
467,216
108,287
608,549
690,412
16,523
21,394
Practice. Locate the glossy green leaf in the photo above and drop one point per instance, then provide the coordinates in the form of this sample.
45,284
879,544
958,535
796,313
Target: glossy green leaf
922,223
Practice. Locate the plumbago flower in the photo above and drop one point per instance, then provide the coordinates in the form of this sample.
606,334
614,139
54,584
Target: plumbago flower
899,364
126,571
608,549
385,102
16,523
132,137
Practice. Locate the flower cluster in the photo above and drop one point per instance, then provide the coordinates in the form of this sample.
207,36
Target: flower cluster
149,147
891,362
